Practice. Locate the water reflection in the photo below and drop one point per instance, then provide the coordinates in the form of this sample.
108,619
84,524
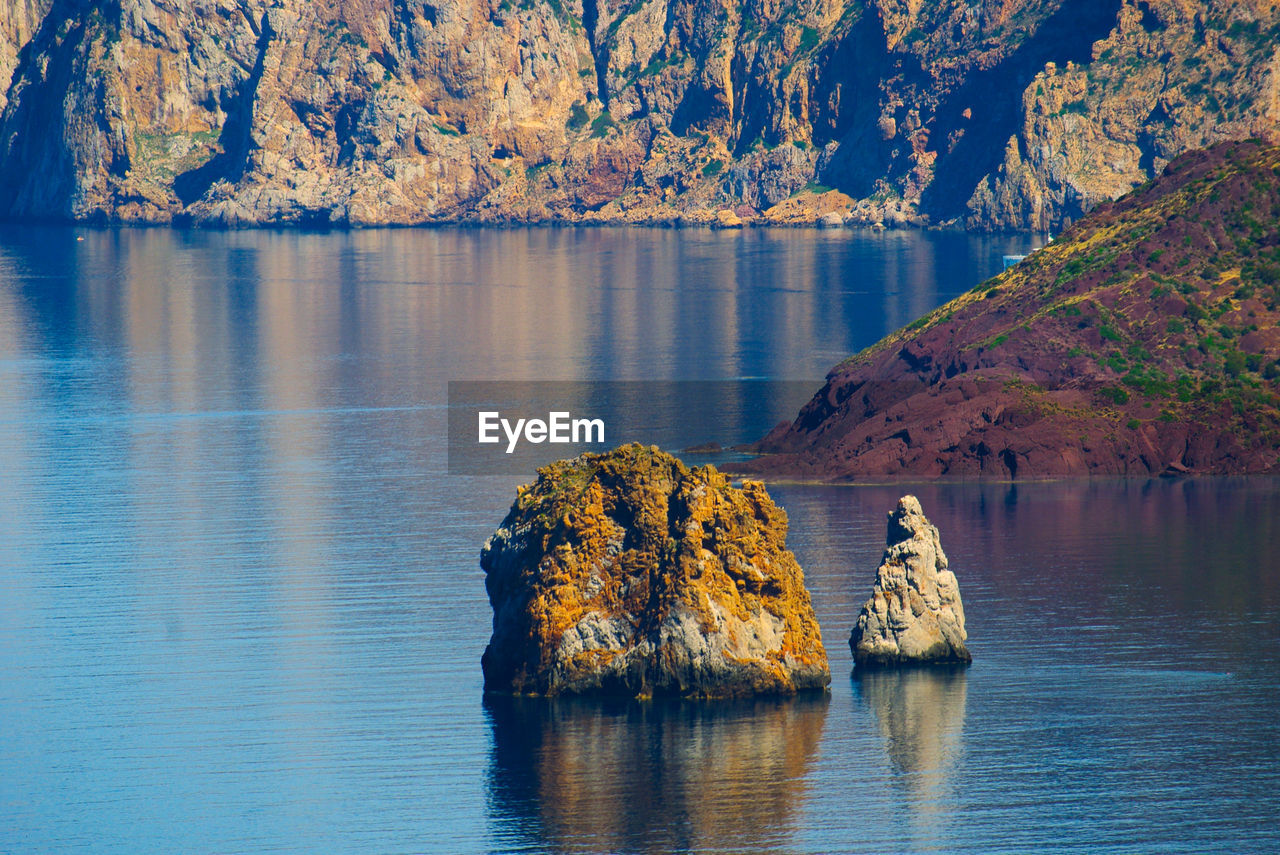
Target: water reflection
480,304
920,713
238,587
612,776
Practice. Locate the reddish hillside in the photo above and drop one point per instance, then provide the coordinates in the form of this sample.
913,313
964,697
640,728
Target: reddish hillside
1144,341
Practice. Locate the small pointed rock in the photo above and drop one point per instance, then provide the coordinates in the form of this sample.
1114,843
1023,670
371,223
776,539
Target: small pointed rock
914,615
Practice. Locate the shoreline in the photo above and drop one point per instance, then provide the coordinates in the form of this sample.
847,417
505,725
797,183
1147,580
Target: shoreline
507,225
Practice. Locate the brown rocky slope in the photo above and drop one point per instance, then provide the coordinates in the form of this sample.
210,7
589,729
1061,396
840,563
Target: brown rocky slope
1144,341
1002,114
627,573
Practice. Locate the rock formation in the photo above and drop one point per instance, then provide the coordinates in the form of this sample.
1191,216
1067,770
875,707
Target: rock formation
914,615
628,573
1143,341
997,113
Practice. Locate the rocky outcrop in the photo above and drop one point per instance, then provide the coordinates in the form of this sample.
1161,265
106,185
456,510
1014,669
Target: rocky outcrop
914,616
999,114
627,573
1144,341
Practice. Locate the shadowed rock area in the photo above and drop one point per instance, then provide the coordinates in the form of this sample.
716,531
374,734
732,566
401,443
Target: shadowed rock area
914,615
627,573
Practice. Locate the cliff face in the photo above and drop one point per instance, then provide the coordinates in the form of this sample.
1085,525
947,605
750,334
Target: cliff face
1168,78
1144,341
18,22
1001,114
627,573
354,112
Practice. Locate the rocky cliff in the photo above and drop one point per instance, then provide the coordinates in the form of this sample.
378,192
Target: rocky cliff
627,573
914,615
19,20
1144,341
998,114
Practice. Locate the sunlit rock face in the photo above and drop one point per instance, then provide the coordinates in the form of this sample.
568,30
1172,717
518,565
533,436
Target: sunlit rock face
627,573
1000,114
914,615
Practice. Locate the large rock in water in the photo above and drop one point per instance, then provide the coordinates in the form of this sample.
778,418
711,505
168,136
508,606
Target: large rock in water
628,573
914,615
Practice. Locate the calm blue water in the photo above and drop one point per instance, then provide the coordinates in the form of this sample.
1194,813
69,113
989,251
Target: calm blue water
241,608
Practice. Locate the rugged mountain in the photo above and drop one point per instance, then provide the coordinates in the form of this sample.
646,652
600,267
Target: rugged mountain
1144,341
627,573
996,113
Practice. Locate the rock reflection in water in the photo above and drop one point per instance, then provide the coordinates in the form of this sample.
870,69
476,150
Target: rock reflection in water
920,712
614,776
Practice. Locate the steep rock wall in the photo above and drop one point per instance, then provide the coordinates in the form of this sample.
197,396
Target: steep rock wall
1018,114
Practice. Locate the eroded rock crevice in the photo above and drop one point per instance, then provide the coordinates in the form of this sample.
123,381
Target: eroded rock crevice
986,111
235,138
599,47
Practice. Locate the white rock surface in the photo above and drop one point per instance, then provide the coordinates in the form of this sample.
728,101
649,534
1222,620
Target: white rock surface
914,615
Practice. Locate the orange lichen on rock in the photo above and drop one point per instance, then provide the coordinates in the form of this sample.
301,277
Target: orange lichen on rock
629,573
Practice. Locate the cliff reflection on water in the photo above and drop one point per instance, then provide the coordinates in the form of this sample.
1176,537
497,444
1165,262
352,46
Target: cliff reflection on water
660,776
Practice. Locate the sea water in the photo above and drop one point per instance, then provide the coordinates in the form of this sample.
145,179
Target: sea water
241,608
